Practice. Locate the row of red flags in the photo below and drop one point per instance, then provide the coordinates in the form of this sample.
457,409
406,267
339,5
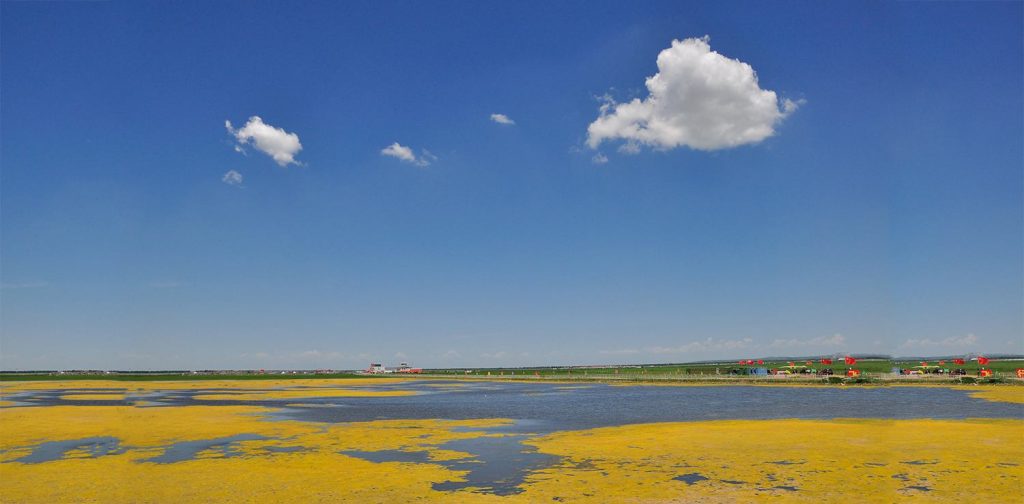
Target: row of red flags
849,361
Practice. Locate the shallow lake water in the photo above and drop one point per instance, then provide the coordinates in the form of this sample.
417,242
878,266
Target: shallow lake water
547,407
500,461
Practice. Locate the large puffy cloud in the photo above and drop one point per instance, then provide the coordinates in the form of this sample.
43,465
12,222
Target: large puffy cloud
274,142
698,99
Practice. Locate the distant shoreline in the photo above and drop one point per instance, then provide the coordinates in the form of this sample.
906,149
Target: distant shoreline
873,379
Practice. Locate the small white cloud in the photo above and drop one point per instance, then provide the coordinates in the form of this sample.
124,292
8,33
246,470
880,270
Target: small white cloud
599,158
698,99
502,119
232,178
274,142
403,153
953,342
399,151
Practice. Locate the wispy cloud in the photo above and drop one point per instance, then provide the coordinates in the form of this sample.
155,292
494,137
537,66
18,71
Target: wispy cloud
232,178
502,119
272,141
836,341
451,354
403,153
964,342
621,351
703,346
599,158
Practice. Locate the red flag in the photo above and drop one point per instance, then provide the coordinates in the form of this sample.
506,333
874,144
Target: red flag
826,362
959,361
809,363
983,360
760,362
923,363
986,372
850,360
942,363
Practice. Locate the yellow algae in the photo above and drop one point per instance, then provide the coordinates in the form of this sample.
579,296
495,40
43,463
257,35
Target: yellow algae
800,460
17,386
290,477
306,393
142,427
106,396
240,390
719,461
1009,394
319,471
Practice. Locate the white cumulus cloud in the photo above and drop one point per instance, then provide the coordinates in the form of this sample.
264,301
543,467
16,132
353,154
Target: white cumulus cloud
502,119
232,178
698,99
272,141
403,153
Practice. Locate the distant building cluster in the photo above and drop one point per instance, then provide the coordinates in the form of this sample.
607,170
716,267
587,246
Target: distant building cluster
378,368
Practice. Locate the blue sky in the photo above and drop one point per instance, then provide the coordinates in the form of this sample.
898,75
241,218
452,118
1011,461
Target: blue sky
883,214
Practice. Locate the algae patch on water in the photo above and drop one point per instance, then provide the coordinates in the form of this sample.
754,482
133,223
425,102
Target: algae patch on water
67,450
1010,394
744,460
